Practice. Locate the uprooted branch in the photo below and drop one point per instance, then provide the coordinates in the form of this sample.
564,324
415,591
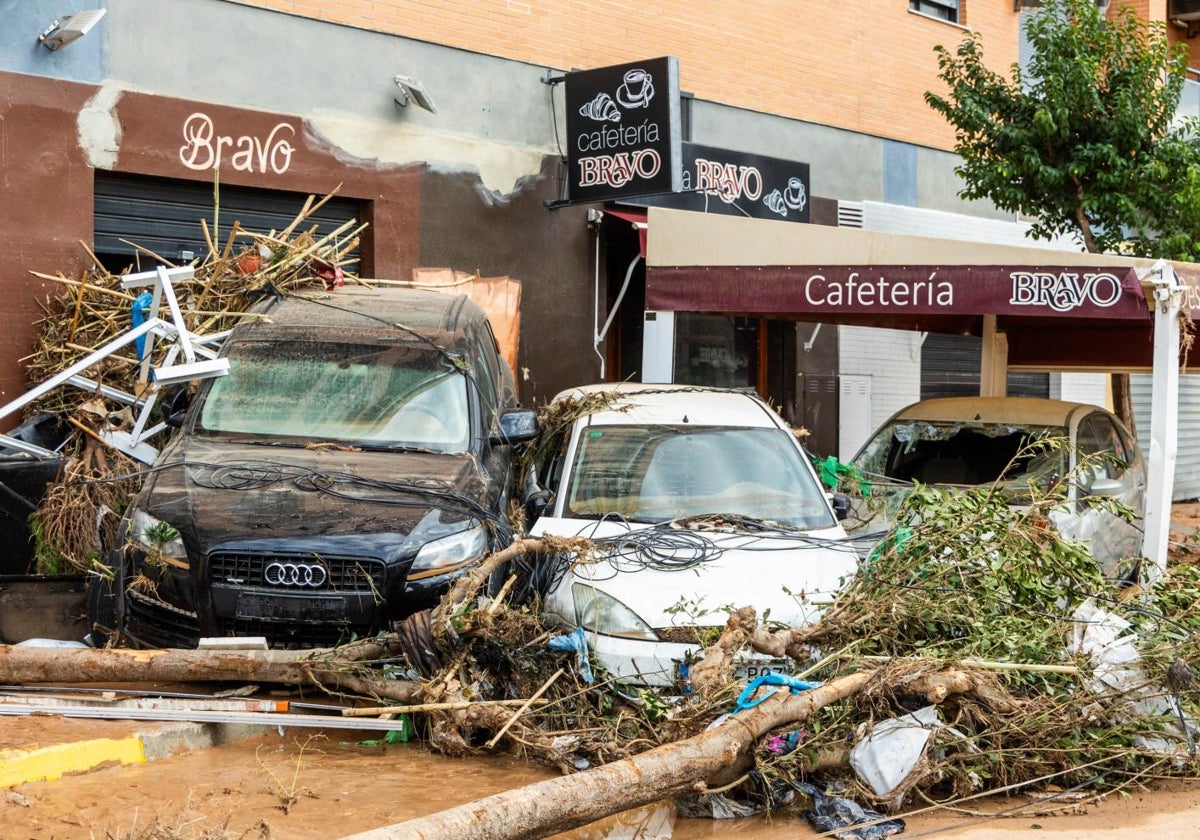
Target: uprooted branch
341,669
685,767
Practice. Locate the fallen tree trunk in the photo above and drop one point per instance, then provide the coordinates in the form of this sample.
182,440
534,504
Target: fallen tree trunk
684,767
332,669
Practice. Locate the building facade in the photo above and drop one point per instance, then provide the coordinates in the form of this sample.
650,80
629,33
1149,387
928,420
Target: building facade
460,163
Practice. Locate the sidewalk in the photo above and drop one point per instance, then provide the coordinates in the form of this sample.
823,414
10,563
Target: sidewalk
46,747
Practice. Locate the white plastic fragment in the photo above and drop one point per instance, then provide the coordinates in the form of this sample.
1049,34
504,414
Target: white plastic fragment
890,751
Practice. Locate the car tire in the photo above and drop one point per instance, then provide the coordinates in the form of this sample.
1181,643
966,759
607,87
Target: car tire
105,607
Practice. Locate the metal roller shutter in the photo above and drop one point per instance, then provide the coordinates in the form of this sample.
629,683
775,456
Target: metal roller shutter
163,215
950,368
1187,456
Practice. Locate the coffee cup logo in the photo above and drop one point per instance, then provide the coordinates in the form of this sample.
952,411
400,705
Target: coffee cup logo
794,196
637,89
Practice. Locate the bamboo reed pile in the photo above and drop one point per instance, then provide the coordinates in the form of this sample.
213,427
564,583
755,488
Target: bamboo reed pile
92,309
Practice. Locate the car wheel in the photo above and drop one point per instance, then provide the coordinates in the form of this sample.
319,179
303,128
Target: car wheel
104,607
497,579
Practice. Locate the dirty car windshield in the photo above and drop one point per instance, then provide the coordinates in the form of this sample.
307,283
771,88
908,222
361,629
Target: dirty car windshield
376,394
657,473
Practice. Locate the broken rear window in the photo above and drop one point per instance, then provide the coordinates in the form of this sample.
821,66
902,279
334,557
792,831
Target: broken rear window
962,452
367,394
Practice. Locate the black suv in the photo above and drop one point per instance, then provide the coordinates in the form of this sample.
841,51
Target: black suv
357,458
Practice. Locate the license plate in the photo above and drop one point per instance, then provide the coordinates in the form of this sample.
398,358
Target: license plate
753,672
291,607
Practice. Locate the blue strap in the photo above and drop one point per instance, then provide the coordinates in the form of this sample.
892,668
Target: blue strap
794,685
137,315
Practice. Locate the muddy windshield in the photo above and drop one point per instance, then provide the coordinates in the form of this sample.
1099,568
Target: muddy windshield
321,391
658,473
948,452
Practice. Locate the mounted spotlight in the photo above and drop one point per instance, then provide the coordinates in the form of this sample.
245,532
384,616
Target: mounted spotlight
69,28
412,90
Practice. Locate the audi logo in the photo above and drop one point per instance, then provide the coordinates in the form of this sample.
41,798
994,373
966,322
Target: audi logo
296,574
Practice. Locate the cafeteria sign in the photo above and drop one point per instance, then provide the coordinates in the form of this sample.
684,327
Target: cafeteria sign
739,184
623,131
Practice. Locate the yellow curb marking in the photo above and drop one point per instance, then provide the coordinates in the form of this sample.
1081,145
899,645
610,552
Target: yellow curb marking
50,763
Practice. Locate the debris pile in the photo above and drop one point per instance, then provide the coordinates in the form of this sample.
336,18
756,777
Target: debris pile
84,505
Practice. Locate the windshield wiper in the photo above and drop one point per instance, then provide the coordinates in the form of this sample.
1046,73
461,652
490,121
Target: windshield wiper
390,447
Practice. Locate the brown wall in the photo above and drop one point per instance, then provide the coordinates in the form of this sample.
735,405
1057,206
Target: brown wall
153,131
417,217
549,251
45,210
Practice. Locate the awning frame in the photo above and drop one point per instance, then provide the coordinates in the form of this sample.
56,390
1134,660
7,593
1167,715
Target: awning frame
683,244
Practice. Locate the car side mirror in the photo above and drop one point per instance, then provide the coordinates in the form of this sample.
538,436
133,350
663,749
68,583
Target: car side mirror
535,505
516,426
841,505
174,405
1106,487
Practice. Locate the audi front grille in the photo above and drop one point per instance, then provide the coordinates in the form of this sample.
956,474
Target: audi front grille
298,572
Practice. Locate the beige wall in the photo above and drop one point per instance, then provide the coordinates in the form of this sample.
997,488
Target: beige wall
862,65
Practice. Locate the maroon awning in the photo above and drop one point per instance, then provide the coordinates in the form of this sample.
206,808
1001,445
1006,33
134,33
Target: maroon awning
638,220
900,292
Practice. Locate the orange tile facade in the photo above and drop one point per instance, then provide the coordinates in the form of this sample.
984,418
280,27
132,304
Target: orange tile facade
861,65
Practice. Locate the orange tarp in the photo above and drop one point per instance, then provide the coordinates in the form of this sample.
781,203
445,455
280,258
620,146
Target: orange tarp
498,297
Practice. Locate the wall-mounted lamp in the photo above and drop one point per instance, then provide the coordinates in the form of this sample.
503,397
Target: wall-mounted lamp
412,90
69,28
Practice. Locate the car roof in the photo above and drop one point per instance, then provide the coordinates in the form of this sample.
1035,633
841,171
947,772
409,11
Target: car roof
371,307
1031,410
637,403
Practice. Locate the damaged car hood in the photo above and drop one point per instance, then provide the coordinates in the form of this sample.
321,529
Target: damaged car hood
675,576
221,490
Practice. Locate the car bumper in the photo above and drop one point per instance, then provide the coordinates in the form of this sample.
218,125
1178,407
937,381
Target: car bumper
667,664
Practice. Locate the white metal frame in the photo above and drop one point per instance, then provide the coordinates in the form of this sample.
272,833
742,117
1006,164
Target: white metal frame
201,362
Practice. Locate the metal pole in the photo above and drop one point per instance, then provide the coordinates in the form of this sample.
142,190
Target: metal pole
1164,419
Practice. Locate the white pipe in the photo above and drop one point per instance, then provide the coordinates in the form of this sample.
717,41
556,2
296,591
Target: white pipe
596,301
620,296
83,364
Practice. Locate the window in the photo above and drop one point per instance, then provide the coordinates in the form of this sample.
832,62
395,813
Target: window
1099,438
947,10
357,393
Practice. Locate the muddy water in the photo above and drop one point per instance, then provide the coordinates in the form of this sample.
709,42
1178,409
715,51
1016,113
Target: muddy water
304,788
298,787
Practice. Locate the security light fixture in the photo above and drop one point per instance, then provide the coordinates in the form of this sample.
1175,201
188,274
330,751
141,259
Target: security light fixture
69,28
411,90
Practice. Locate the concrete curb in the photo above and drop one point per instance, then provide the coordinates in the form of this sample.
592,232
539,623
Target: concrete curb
51,762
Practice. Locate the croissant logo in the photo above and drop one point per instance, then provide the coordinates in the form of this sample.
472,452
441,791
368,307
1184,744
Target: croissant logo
602,108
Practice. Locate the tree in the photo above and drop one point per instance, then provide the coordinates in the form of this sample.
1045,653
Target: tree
1081,140
1084,139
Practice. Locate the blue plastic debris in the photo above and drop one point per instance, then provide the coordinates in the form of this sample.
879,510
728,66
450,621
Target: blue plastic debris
791,683
845,819
576,641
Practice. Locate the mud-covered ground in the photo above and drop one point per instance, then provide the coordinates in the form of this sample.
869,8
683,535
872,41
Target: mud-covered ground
298,785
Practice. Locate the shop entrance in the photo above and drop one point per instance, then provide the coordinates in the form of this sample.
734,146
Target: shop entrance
163,215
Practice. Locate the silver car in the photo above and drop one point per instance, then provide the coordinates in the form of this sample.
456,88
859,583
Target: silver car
978,441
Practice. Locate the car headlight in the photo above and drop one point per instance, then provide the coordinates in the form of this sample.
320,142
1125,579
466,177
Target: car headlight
449,553
158,539
602,613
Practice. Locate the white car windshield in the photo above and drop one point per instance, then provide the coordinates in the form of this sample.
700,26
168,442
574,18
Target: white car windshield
659,473
386,395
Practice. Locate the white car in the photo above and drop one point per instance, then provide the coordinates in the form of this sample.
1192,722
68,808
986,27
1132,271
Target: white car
702,501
